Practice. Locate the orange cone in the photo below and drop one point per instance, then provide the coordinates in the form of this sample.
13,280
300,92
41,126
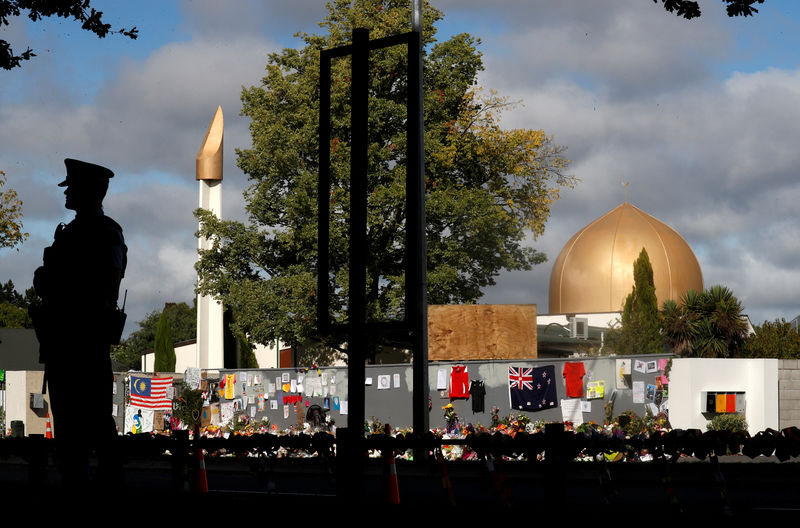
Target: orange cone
200,480
447,486
48,428
392,489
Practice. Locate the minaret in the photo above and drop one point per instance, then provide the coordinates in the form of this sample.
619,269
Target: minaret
210,344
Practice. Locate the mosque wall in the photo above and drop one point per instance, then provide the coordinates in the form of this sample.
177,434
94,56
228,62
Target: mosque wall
789,393
691,379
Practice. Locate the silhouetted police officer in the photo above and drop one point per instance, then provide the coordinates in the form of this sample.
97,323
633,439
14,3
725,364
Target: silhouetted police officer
76,320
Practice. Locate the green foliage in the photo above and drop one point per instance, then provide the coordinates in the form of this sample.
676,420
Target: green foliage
705,324
773,339
183,324
735,423
14,306
487,188
78,10
189,406
126,356
11,233
248,356
640,330
13,317
164,348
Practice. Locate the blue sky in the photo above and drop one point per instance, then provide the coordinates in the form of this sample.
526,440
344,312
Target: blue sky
700,116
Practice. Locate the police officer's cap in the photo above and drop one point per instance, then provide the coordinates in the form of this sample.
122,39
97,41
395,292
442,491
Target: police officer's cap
85,172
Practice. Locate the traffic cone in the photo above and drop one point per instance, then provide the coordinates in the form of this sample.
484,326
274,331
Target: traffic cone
392,489
200,479
48,428
447,486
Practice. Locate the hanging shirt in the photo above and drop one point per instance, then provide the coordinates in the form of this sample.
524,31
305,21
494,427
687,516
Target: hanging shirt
478,391
459,382
573,374
230,383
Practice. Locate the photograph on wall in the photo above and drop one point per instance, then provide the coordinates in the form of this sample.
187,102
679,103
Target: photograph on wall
623,373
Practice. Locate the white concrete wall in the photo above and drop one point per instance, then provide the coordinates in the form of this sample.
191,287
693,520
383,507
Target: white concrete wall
185,356
600,319
19,386
267,356
690,377
16,397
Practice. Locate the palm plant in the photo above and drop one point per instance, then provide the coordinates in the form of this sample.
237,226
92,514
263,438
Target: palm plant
705,324
677,329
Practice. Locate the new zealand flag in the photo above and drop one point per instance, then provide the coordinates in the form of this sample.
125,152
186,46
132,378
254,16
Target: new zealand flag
532,389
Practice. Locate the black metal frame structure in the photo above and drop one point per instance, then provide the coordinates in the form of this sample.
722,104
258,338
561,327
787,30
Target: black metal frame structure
416,303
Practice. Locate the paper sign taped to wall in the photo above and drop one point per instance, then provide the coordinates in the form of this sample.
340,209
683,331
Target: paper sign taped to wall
571,411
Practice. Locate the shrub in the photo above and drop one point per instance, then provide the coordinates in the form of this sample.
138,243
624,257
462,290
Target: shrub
734,423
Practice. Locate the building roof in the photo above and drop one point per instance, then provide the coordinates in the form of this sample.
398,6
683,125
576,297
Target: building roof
19,349
594,271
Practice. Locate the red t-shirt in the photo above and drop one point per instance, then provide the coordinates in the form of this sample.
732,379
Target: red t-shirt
573,373
459,382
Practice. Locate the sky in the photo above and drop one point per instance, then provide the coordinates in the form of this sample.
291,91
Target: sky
702,117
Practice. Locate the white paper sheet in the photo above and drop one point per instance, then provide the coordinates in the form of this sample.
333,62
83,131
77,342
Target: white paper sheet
441,379
638,392
571,411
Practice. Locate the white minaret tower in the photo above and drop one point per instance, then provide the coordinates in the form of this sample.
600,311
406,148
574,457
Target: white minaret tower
210,345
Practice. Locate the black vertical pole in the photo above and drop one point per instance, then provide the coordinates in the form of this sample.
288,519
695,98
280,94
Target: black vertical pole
323,188
416,247
357,309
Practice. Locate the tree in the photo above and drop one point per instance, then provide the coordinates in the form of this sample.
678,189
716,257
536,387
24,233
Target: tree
11,232
640,330
773,339
689,9
487,188
705,324
247,356
14,306
78,10
164,348
183,324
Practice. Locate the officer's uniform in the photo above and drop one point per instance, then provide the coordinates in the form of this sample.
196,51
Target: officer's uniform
78,284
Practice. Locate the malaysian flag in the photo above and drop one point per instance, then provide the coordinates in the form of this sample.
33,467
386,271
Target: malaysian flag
151,393
532,389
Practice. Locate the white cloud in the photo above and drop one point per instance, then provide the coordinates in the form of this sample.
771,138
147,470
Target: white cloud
631,90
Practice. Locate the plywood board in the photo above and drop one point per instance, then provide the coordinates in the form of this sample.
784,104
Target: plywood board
481,331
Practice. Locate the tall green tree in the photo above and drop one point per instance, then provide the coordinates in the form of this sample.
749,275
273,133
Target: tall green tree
164,349
183,324
488,189
11,233
705,324
773,339
14,306
640,332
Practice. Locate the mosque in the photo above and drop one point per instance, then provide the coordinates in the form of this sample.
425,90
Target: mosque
593,275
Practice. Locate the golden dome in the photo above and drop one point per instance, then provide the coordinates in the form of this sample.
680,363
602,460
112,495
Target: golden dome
594,271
